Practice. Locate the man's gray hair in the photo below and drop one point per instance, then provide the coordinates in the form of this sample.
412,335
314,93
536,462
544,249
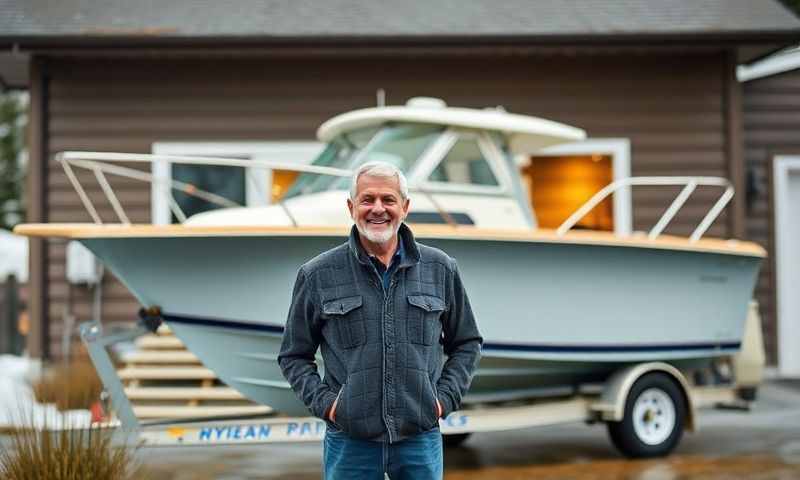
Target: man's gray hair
379,169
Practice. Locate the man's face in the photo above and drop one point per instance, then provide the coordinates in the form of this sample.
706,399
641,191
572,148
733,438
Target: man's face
378,209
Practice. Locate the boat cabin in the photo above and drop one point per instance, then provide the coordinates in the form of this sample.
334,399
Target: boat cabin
462,165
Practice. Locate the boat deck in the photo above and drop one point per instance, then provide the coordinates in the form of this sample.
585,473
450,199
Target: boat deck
585,237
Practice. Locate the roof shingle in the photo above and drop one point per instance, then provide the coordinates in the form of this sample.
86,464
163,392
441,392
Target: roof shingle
409,18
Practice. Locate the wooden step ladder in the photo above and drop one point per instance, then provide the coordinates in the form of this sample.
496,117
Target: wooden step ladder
165,381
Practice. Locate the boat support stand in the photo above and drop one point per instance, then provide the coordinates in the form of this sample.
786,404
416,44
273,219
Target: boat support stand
97,343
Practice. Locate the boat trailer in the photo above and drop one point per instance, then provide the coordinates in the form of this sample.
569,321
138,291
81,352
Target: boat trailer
646,406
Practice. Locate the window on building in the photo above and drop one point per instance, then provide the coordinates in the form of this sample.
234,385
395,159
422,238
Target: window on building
251,186
559,185
227,182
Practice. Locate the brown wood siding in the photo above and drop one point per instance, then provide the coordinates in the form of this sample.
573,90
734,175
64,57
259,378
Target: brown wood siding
669,106
771,112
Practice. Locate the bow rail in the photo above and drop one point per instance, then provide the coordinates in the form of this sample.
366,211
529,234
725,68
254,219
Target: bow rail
690,184
104,162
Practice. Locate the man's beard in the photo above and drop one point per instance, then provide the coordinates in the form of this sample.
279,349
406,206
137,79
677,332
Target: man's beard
381,236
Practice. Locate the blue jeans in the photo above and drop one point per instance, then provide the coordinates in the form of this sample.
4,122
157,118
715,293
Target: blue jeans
418,458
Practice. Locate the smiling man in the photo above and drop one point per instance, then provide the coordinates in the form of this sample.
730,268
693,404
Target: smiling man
385,312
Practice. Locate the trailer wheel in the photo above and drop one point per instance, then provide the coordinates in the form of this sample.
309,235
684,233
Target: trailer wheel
454,439
748,394
655,412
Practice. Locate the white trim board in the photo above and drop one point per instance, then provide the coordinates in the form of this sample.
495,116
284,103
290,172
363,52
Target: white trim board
620,151
302,152
786,174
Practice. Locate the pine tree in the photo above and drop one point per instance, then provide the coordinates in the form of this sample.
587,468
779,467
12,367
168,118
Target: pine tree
13,120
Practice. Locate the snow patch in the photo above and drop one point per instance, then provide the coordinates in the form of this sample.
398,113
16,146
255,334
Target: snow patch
18,406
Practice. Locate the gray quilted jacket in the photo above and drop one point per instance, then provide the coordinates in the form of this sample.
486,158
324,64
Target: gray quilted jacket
388,354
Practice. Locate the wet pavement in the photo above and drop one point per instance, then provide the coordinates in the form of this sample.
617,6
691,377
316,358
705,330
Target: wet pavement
761,444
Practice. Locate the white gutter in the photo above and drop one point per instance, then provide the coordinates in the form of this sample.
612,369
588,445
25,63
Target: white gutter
783,61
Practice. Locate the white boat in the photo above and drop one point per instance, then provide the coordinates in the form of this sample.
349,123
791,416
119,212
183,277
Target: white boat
557,308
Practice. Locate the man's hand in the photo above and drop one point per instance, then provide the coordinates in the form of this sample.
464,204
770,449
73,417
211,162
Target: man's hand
332,412
439,409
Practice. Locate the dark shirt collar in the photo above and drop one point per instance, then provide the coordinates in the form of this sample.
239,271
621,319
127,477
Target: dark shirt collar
397,258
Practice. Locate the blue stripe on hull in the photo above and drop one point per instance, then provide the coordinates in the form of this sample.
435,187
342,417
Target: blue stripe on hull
612,348
489,346
211,322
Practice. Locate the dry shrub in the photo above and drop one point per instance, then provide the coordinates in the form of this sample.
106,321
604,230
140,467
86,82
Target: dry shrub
70,387
82,453
66,454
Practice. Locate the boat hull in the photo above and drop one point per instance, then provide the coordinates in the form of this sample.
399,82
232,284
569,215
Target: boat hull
552,314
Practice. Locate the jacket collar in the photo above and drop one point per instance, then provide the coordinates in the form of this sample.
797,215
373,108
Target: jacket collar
410,254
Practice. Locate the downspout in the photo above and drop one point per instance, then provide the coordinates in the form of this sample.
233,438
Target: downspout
38,341
732,114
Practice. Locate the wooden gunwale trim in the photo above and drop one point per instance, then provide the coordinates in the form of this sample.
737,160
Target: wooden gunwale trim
663,242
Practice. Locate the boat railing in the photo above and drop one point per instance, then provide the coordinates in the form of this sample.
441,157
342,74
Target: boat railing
102,163
690,185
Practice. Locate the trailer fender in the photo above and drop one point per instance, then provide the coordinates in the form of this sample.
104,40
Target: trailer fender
611,405
748,364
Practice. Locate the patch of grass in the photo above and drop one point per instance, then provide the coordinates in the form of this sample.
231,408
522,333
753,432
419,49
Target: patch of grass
69,387
66,454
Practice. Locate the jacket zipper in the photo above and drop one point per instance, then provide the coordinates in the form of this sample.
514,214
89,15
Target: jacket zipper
383,334
385,292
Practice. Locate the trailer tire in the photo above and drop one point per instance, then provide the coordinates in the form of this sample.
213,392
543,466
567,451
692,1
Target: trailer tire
655,413
748,394
454,439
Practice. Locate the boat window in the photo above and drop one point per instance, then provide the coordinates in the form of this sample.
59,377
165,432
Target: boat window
464,164
398,144
339,153
401,145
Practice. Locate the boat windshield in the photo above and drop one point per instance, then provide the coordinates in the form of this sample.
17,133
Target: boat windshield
398,144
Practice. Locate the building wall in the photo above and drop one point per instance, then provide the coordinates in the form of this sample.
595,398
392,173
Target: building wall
671,107
771,121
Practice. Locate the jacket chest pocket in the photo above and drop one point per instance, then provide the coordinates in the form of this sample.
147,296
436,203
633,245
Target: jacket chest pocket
424,326
347,314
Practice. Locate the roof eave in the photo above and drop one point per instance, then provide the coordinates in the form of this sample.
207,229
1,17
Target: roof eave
123,42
